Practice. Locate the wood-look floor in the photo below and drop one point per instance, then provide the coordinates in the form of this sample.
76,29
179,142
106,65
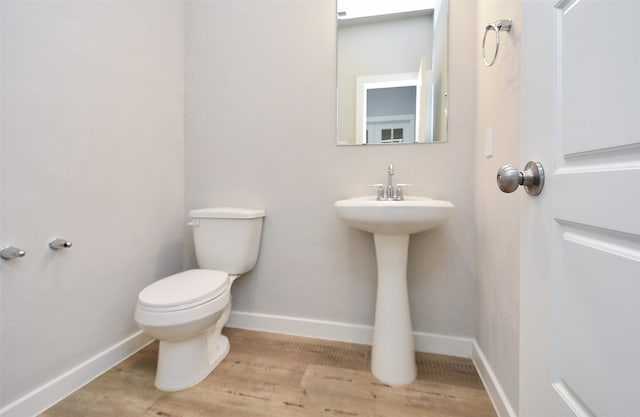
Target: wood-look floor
273,375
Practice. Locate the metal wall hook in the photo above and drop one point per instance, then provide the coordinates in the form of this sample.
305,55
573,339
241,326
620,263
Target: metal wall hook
11,253
497,27
59,243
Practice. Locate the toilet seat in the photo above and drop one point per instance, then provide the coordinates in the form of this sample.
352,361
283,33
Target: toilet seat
184,290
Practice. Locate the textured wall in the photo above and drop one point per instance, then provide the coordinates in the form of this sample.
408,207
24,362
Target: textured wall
92,150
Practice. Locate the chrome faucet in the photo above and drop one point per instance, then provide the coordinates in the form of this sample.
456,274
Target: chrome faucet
390,193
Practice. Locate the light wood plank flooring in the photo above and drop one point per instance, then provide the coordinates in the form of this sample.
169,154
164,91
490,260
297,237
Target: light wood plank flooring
273,375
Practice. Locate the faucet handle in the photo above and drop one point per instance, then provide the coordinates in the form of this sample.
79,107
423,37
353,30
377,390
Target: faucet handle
380,188
400,191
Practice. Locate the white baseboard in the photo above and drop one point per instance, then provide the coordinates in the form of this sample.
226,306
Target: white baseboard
55,390
494,389
344,332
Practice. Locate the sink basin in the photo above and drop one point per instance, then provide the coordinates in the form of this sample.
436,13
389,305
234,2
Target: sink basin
411,215
391,222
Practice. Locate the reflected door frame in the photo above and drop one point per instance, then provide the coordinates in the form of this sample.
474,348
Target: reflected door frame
371,82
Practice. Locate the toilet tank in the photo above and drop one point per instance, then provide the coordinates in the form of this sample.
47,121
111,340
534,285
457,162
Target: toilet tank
227,238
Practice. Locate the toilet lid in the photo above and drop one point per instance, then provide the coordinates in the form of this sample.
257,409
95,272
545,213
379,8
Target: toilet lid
184,290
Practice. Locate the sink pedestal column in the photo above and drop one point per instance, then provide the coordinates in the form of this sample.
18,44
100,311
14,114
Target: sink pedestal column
393,352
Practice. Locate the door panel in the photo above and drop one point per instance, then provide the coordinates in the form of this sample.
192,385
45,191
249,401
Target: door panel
597,311
580,314
598,194
596,323
599,64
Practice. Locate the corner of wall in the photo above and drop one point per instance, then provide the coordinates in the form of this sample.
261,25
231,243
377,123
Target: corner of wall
491,383
496,213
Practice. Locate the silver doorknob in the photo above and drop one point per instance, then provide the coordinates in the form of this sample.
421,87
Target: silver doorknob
11,253
532,178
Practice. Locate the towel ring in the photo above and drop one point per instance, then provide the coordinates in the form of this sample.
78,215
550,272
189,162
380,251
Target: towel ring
497,26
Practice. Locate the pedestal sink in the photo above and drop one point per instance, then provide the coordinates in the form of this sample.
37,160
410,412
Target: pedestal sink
391,222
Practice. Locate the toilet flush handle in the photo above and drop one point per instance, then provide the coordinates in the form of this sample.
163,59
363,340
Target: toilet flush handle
194,223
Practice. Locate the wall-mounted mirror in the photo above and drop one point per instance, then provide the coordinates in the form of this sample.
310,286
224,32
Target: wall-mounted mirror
392,71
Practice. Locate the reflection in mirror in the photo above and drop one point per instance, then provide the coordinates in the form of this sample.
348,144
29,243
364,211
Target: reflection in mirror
391,115
392,67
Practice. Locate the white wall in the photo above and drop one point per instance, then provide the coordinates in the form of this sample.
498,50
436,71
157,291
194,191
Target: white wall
92,149
260,132
497,214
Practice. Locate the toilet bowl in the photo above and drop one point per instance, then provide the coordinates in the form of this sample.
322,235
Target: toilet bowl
186,312
181,311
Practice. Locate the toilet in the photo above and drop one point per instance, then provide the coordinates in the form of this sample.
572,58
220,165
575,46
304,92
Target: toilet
186,312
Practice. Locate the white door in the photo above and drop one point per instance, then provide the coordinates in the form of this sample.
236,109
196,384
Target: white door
580,239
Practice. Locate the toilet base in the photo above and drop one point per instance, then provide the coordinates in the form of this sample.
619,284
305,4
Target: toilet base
183,364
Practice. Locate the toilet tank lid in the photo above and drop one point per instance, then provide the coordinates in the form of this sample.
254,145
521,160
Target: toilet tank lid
226,213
